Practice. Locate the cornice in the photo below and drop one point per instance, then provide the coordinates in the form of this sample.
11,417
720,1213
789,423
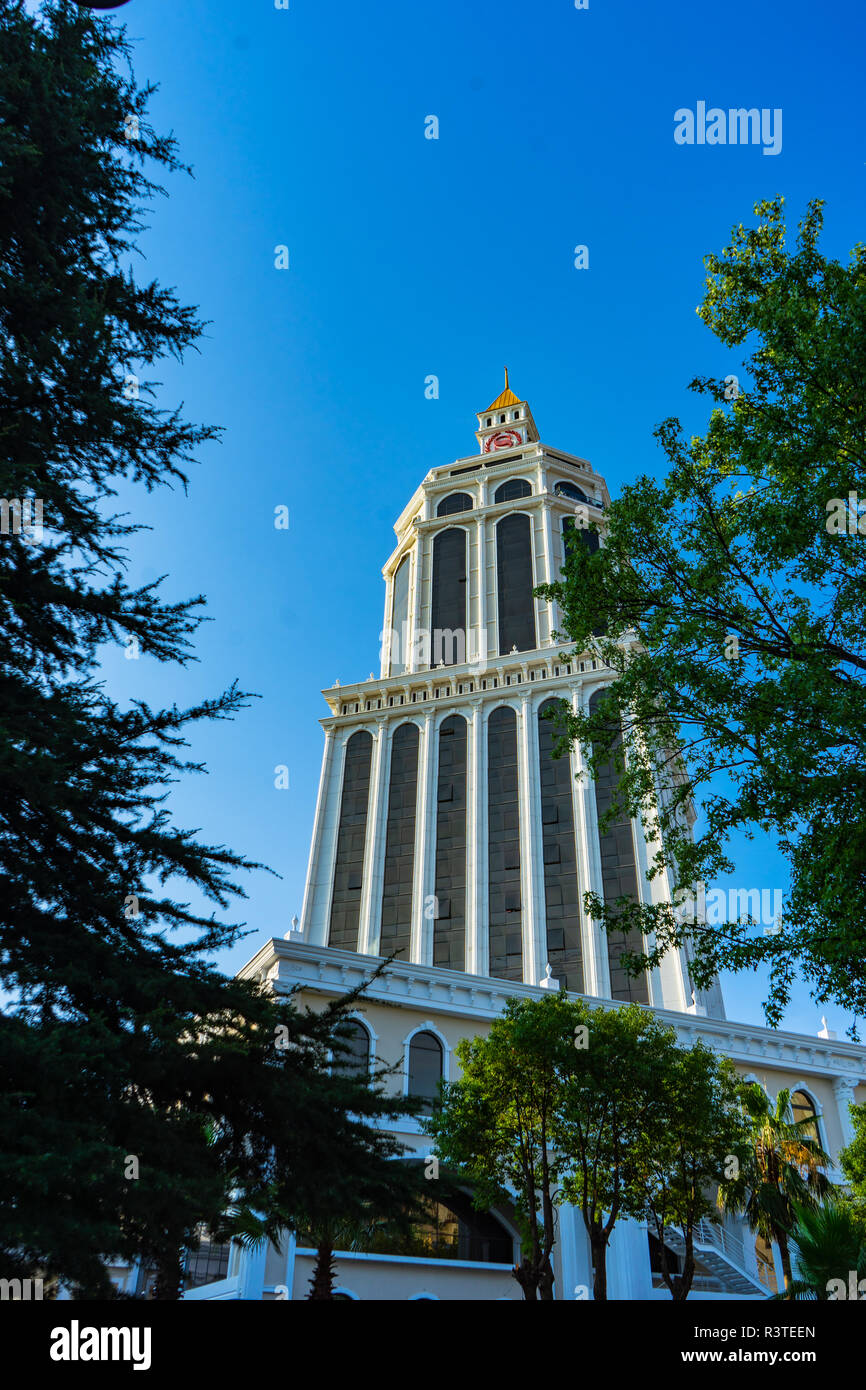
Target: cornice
424,988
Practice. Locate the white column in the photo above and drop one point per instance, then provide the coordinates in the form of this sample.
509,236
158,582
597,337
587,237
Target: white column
629,1275
252,1272
374,847
424,868
575,1257
415,601
596,967
843,1090
386,656
477,943
531,865
315,913
480,652
549,571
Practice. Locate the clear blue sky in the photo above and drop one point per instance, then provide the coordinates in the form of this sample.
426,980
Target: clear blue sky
411,256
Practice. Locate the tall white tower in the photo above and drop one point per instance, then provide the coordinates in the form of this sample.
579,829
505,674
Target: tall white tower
444,828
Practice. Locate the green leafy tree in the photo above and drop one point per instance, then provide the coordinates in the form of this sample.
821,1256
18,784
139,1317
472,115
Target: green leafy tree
610,1116
139,1088
780,1170
497,1124
681,1163
729,601
852,1158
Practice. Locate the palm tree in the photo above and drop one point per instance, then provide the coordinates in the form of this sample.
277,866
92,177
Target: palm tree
780,1166
829,1242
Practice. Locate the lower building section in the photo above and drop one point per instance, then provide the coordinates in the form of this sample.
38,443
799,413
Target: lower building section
413,1018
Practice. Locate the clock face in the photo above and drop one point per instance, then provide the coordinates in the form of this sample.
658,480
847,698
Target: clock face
505,439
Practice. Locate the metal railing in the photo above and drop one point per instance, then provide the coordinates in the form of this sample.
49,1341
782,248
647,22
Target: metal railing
727,1244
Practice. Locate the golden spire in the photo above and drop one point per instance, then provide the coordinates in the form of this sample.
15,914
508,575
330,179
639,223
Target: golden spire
506,398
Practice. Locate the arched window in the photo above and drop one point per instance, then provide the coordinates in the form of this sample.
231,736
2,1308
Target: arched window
514,488
356,1059
400,619
803,1108
561,898
400,842
351,838
570,490
514,583
448,616
449,926
584,534
619,879
454,502
503,846
425,1069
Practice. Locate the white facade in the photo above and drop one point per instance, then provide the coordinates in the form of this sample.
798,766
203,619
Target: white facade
418,995
426,694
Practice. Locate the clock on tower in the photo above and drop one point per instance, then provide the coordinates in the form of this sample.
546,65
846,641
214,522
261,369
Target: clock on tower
507,423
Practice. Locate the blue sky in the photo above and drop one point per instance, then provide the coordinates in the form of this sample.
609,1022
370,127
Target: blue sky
411,257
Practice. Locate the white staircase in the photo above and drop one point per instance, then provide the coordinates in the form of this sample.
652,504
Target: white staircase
722,1253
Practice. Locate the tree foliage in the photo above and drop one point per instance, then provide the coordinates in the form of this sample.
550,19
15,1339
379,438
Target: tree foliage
731,610
139,1088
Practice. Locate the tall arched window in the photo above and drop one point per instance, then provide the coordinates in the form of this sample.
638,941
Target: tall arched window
425,1069
351,837
514,488
448,605
803,1108
356,1040
454,502
583,533
561,898
514,582
449,926
400,843
570,490
619,879
400,619
503,846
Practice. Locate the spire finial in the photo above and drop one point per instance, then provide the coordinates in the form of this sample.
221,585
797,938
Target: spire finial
506,378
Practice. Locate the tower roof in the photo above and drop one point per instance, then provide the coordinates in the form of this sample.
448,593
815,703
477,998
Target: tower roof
506,397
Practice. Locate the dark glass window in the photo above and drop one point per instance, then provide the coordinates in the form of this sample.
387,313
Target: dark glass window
619,879
514,580
514,488
439,1232
561,897
802,1108
356,1040
208,1262
583,533
448,617
400,618
351,835
570,490
454,502
449,928
503,848
400,843
425,1069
